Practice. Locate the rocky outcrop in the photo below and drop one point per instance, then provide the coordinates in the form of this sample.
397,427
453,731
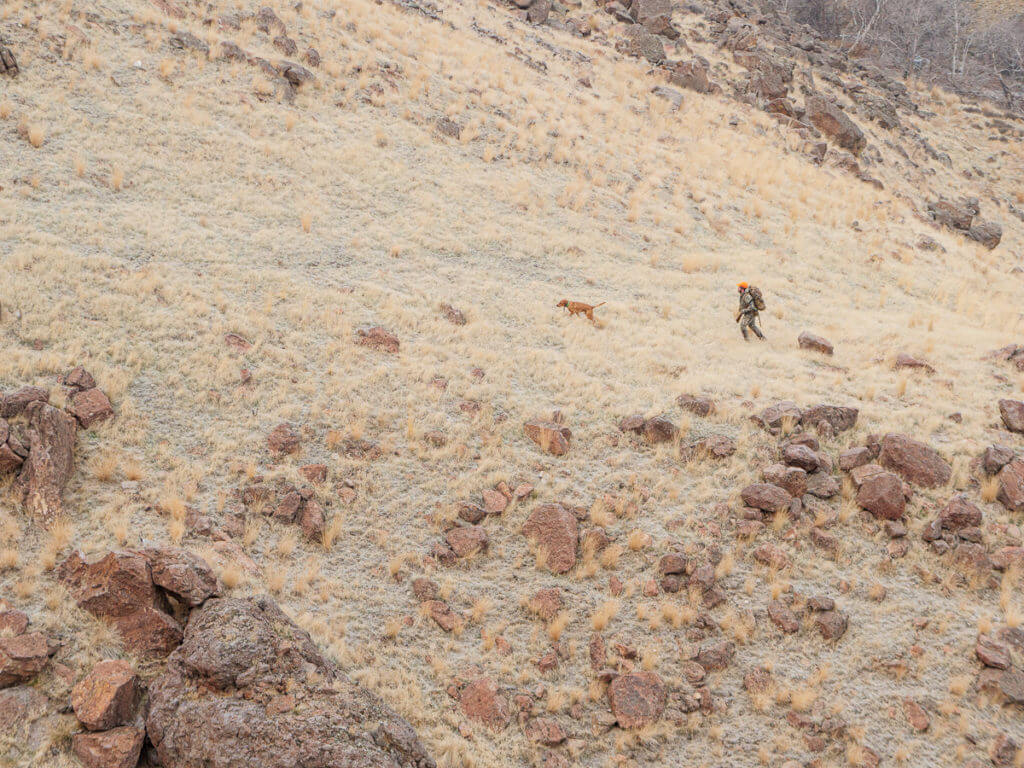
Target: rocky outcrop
248,687
961,215
914,461
50,461
828,118
122,590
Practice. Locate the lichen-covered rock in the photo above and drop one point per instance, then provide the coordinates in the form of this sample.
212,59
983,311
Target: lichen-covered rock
215,705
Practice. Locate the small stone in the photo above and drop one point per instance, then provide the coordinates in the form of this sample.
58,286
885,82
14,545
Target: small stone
815,343
108,696
283,439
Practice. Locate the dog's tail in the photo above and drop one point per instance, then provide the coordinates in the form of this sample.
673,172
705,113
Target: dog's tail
600,305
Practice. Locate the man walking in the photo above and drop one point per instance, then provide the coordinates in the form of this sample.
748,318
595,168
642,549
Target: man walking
750,304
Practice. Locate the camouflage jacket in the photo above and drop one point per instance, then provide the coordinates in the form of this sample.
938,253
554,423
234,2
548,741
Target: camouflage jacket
747,306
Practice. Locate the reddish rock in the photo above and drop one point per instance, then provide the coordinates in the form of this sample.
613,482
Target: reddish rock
701,406
480,701
314,473
824,540
796,455
831,624
766,497
546,603
115,585
90,406
855,457
108,696
822,485
377,338
50,461
551,437
183,574
916,715
960,513
995,458
470,512
1007,557
597,651
22,657
1012,413
453,315
903,360
233,339
78,378
495,502
117,748
815,343
1011,485
716,656
775,416
1004,751
555,530
148,632
783,617
288,510
441,614
14,403
772,556
545,730
637,700
12,623
791,479
467,540
881,494
119,589
209,705
424,589
660,430
832,121
914,461
672,564
311,520
991,653
634,423
283,439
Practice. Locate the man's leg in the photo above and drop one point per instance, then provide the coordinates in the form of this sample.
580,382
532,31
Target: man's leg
756,329
744,324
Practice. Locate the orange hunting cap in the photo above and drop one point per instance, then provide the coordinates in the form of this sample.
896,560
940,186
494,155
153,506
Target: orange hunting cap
742,285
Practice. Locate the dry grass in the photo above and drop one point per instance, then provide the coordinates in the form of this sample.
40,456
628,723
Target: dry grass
221,207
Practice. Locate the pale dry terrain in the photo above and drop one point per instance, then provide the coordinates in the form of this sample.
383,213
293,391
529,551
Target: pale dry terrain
154,199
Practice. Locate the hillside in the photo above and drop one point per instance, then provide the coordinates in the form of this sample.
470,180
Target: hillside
209,232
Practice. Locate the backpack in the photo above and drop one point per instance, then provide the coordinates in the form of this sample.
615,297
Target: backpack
755,294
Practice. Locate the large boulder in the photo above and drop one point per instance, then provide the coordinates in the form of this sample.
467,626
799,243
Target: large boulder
828,118
247,687
914,461
13,403
766,497
555,530
50,461
954,214
119,590
639,42
694,74
960,513
840,418
183,574
1012,414
988,233
116,748
1011,485
881,494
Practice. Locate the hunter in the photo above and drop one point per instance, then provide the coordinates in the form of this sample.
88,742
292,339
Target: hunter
750,304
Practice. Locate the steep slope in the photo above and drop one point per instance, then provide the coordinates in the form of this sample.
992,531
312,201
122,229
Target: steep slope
161,190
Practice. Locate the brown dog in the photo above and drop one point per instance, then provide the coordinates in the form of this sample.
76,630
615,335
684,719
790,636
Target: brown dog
579,308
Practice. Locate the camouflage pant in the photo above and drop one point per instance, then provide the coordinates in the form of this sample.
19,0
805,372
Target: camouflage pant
750,321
